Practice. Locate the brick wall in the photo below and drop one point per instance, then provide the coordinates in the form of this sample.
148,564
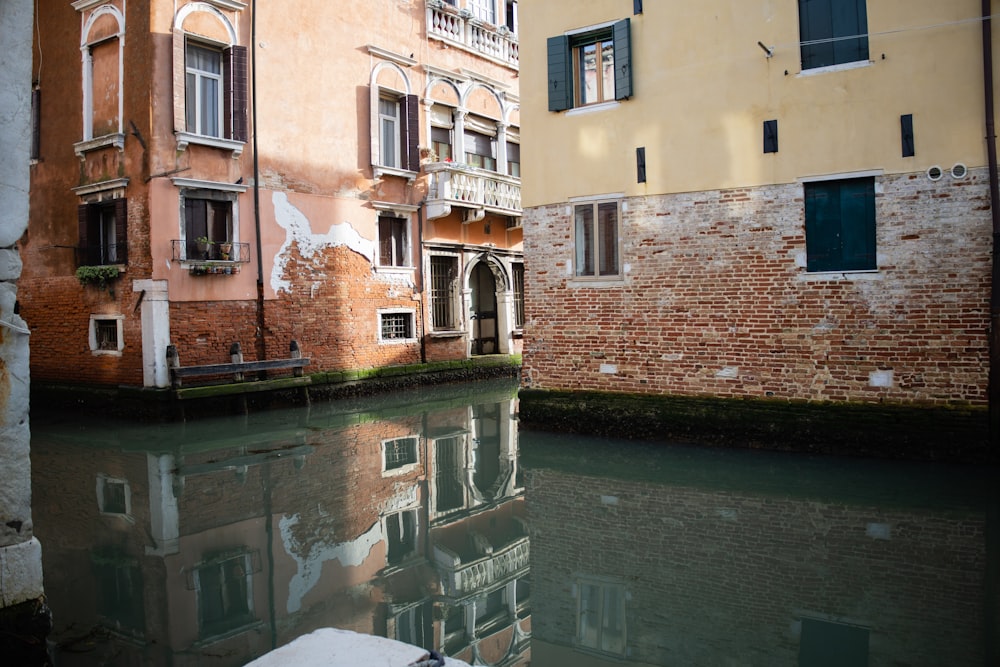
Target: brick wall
716,299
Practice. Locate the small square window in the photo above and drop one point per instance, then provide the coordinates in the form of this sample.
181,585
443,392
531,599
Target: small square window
399,453
396,326
106,334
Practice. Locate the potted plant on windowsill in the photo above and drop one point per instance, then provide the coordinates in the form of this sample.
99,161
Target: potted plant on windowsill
202,244
225,251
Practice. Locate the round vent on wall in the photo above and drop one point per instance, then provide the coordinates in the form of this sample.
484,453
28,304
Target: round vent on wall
959,171
934,173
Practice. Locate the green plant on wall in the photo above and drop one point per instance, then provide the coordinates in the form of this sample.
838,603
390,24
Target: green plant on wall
97,275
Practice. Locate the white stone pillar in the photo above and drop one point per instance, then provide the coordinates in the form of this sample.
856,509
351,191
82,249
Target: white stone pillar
155,312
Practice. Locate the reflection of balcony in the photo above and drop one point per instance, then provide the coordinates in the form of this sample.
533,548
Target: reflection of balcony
463,578
460,29
453,184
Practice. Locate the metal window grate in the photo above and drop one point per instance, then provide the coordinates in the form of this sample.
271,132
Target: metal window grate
518,274
396,326
443,270
400,452
106,333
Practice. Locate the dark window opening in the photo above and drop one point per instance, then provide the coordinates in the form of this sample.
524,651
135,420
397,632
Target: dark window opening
224,595
401,533
400,452
480,151
832,32
103,233
114,495
208,224
441,143
597,239
590,68
392,241
517,271
444,283
513,159
840,225
106,335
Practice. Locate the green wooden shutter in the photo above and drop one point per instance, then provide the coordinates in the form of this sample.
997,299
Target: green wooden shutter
815,23
857,215
560,68
849,18
623,59
906,135
822,203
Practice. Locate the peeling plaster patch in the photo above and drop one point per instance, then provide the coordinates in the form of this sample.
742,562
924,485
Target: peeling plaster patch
310,564
609,369
298,230
728,372
406,499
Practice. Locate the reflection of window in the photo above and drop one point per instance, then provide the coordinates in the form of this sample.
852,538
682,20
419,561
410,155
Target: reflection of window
119,590
832,32
444,292
401,533
840,225
590,67
819,636
103,232
492,605
601,617
398,132
415,626
448,474
396,326
113,495
517,271
400,452
480,151
393,244
596,239
225,596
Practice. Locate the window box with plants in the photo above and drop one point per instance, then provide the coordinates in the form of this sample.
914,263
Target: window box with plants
99,276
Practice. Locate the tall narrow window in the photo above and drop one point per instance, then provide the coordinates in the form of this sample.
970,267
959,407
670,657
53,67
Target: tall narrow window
401,533
601,617
444,292
103,228
399,453
832,32
517,271
441,143
388,118
398,132
840,225
203,90
392,241
513,159
597,239
449,469
208,223
225,599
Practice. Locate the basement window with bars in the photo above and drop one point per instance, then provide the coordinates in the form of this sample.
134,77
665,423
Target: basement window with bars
113,496
106,334
396,326
399,454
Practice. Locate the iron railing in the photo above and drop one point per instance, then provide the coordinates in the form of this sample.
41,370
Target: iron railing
191,251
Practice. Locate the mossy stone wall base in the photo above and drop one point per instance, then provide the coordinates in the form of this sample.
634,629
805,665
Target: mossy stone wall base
875,430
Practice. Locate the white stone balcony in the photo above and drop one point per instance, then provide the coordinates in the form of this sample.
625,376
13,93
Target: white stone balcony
452,184
463,578
459,28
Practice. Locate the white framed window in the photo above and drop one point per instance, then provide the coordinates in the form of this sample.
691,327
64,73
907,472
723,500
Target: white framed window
389,131
203,89
102,50
105,335
394,241
224,586
397,118
396,326
517,278
209,219
401,536
597,239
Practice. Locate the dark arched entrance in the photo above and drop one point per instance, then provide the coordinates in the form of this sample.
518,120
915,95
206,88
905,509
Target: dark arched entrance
483,310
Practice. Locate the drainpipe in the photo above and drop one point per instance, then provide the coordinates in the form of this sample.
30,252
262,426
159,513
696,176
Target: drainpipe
260,344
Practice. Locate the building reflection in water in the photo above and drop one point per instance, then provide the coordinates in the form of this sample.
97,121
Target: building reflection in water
212,542
680,556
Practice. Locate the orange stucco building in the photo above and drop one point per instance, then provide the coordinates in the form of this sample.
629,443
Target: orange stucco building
225,171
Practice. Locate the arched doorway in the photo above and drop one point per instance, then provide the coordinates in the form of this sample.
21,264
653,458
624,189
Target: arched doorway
483,310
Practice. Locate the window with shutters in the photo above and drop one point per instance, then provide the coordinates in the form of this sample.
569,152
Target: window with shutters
225,593
840,225
103,229
601,616
208,223
210,78
393,241
833,32
597,239
397,120
590,67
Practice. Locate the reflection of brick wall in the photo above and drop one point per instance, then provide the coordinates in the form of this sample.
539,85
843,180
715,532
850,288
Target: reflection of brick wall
724,577
716,302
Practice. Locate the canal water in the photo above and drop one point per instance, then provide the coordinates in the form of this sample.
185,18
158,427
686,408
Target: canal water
426,516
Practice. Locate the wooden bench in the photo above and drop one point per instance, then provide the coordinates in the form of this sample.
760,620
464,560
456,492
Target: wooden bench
236,367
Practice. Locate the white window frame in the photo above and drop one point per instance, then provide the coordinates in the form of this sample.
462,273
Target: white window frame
201,75
102,482
405,468
397,311
596,278
604,585
395,160
92,335
403,212
116,139
198,189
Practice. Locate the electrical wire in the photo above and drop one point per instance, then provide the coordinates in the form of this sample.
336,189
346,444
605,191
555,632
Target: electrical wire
829,40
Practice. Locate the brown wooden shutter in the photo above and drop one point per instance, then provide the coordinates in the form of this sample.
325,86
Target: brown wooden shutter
82,218
411,132
36,122
234,66
121,231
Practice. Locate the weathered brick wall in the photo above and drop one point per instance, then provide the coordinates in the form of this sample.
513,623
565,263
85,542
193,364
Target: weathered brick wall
693,561
716,299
